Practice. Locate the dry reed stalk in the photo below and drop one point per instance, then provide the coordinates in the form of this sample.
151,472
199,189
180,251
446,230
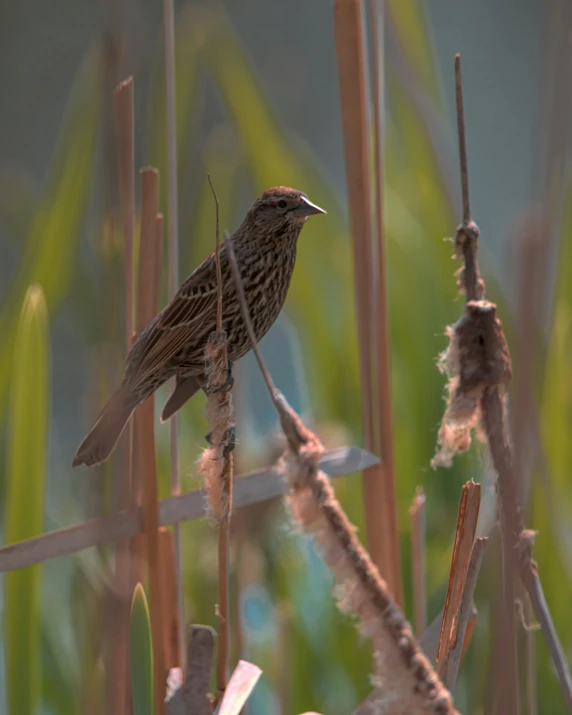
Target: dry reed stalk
379,493
216,464
406,679
417,517
380,322
173,275
479,366
171,643
148,293
429,641
125,132
461,557
118,695
449,666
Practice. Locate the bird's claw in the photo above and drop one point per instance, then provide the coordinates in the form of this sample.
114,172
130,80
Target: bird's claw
227,384
228,439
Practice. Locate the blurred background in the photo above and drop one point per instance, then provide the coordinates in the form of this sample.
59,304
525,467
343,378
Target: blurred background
258,105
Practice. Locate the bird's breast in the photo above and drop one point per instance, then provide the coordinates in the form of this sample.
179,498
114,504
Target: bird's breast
266,278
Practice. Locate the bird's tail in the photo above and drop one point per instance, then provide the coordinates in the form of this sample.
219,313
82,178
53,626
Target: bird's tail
100,441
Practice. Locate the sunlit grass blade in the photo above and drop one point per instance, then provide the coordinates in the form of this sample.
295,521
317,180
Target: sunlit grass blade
25,479
141,654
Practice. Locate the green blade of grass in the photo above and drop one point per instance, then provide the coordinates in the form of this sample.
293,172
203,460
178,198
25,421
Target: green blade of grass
141,655
26,476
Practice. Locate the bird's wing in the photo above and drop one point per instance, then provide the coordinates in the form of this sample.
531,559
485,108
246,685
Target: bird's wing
193,305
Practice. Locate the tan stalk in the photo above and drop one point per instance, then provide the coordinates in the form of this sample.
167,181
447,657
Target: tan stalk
377,484
148,293
216,464
173,275
118,694
417,517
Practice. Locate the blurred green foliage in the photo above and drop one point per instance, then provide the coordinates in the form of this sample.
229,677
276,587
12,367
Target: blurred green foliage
285,592
141,655
26,490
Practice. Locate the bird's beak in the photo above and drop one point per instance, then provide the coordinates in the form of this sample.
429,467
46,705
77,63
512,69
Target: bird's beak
305,209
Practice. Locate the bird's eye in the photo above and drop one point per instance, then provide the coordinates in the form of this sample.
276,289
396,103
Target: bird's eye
282,204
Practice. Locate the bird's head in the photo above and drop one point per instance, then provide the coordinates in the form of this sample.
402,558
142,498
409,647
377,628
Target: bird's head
282,208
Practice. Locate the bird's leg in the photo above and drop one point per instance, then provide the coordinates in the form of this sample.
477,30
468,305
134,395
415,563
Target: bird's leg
225,387
228,439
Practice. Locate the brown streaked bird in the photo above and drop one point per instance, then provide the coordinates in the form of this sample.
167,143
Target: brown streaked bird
174,342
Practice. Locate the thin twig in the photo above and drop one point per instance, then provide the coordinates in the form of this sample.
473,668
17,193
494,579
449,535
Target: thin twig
171,644
118,691
124,123
217,462
173,273
530,664
218,269
449,669
246,316
149,278
417,517
462,140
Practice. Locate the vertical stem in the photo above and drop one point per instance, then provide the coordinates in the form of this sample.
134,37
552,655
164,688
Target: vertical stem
118,692
173,271
381,324
417,514
149,278
351,72
462,140
223,611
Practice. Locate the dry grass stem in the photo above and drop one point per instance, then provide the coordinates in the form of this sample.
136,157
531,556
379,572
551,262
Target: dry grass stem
379,491
417,517
462,549
479,366
124,128
148,293
380,322
173,271
123,584
449,667
171,644
216,462
406,679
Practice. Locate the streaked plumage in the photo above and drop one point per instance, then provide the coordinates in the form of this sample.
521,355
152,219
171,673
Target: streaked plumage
173,344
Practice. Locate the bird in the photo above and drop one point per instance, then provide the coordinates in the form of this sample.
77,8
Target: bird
173,343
